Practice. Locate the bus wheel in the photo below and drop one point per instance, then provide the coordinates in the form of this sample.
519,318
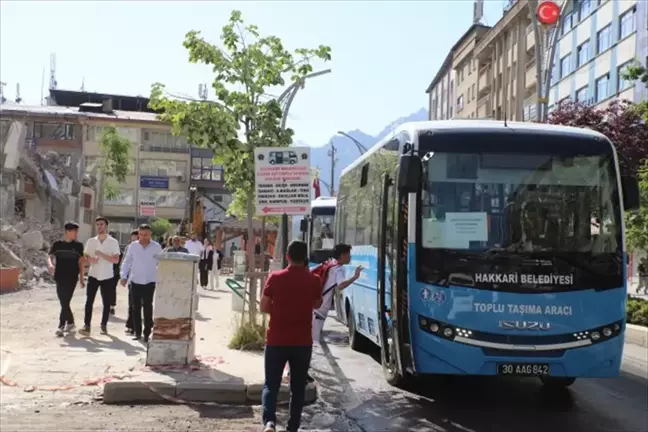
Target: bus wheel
357,342
556,382
392,375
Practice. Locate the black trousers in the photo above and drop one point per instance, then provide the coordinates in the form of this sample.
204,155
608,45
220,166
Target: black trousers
204,268
65,291
104,287
113,291
275,358
129,320
143,302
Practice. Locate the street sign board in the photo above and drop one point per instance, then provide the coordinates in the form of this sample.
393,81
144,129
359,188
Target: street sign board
147,208
283,180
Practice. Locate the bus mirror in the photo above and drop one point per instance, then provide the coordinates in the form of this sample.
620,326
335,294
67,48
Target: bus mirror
409,173
303,225
630,189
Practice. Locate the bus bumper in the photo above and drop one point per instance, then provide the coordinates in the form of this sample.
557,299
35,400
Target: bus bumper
434,355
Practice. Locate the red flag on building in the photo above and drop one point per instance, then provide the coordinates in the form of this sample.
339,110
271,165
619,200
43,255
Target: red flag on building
316,186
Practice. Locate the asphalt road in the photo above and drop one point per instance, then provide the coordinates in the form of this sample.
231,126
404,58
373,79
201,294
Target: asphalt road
355,398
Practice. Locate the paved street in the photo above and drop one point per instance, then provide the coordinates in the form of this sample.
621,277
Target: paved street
354,397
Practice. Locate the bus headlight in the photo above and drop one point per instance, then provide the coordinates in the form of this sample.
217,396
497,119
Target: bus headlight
434,327
596,336
447,332
607,332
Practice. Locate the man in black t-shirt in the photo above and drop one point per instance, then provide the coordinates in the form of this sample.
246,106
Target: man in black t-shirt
66,262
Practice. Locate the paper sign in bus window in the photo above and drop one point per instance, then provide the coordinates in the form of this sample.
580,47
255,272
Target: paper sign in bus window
462,228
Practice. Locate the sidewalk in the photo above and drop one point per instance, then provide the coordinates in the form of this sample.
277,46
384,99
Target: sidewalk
37,366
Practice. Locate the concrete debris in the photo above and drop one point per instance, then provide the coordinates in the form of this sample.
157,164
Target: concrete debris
25,244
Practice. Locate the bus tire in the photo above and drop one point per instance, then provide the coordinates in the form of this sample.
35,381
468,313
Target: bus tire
357,342
392,376
557,382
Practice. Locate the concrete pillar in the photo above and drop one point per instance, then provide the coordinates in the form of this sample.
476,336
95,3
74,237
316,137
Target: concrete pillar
174,313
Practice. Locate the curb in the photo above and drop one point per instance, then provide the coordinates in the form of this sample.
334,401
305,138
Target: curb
194,393
637,335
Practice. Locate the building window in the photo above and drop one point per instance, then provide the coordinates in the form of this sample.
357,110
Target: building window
56,131
603,40
124,198
567,23
162,168
602,86
583,54
585,8
627,22
92,164
204,169
164,198
623,84
473,92
581,95
565,66
87,217
121,231
163,142
96,132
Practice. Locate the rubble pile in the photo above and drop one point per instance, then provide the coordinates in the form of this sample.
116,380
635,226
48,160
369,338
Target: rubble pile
24,243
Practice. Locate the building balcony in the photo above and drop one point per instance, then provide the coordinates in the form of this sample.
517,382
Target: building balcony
530,74
485,80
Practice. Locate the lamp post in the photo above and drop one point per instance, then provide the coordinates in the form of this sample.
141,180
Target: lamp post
545,16
288,96
362,149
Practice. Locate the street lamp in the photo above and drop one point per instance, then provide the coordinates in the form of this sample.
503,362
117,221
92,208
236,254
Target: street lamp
332,153
362,149
546,14
288,96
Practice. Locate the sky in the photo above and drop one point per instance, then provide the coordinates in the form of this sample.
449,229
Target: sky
384,54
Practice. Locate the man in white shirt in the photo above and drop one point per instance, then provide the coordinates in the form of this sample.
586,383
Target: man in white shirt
141,265
102,252
194,246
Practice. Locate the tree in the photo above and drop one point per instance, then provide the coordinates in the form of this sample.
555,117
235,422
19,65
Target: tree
242,117
620,122
639,73
114,162
637,220
160,227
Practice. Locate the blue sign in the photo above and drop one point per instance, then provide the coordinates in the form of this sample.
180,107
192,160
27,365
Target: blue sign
153,182
425,294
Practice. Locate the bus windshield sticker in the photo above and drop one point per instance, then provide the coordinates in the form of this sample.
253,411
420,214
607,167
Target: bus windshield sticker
426,293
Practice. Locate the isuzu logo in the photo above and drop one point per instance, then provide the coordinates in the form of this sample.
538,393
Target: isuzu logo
524,325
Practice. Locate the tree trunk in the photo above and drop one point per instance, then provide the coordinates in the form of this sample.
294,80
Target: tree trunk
250,257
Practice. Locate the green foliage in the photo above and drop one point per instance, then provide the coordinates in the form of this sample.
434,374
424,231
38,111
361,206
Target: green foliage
637,220
115,161
160,227
241,118
249,337
637,312
637,72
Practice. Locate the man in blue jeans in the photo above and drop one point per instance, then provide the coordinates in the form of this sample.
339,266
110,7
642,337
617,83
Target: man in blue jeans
289,296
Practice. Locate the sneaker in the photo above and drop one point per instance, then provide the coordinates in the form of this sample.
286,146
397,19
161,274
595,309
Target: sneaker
130,331
104,330
136,337
59,332
270,427
112,310
70,328
85,331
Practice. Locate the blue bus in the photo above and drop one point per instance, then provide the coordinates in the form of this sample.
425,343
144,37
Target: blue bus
489,249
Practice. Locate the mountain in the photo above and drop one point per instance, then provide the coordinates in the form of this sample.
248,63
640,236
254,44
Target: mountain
347,151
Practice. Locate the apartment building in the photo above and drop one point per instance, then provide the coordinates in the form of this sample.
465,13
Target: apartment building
598,39
465,67
43,149
441,92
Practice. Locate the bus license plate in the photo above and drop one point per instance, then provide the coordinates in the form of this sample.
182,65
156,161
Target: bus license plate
523,369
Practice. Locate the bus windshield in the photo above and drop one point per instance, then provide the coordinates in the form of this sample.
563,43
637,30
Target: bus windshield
322,234
520,222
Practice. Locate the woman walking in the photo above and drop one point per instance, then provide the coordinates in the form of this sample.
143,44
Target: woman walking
206,263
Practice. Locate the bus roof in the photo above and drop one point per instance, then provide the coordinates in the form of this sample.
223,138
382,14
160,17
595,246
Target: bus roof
324,202
475,125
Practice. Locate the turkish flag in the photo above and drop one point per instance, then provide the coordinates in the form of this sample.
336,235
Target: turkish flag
316,186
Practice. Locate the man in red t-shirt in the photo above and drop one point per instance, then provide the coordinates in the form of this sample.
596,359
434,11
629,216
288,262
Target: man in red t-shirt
289,296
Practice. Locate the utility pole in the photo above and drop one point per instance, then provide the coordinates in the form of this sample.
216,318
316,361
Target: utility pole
332,153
